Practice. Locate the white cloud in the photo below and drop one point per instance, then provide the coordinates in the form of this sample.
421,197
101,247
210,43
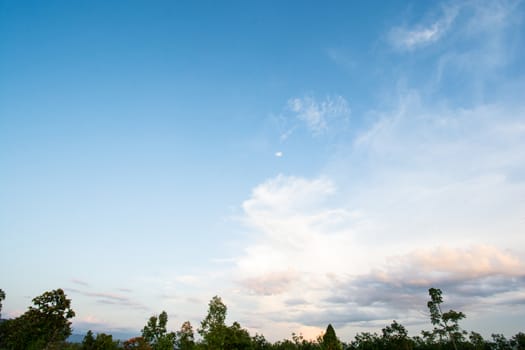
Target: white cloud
359,249
410,38
279,154
318,115
427,194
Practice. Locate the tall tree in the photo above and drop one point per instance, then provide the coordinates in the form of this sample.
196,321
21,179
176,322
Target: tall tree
156,335
2,298
445,323
88,343
185,337
330,341
213,327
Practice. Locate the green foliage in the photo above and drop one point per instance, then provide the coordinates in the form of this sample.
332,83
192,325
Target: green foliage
104,342
88,343
500,342
445,323
259,342
518,341
44,326
185,337
329,340
396,337
213,327
477,341
156,335
2,298
237,338
136,343
367,341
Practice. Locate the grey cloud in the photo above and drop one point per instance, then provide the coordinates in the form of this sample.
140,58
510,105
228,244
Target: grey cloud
395,294
295,302
109,298
338,318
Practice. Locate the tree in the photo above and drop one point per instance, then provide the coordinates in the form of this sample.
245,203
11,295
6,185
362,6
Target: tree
477,341
41,327
500,342
237,338
101,342
213,328
2,298
395,336
445,323
88,343
260,343
185,337
518,341
367,341
156,335
136,343
330,341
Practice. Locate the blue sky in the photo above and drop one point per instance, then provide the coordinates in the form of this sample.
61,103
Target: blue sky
310,163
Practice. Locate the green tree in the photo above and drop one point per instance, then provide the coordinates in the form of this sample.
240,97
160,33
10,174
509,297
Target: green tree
395,337
445,323
43,326
260,343
237,338
136,343
2,298
367,341
518,341
213,328
105,342
500,342
156,335
88,343
477,341
185,337
330,341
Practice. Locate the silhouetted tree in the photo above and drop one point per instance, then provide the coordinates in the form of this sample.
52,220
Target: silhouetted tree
329,340
2,298
445,323
395,337
518,341
88,343
43,326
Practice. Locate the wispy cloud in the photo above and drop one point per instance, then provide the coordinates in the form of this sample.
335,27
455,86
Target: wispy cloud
80,282
318,115
408,38
109,298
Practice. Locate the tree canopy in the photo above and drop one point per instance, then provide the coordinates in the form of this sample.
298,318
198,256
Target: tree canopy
46,325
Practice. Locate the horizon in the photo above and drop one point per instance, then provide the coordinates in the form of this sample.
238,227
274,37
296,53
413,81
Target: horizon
309,163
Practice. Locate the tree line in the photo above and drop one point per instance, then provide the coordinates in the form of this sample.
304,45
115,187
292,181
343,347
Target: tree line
47,325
